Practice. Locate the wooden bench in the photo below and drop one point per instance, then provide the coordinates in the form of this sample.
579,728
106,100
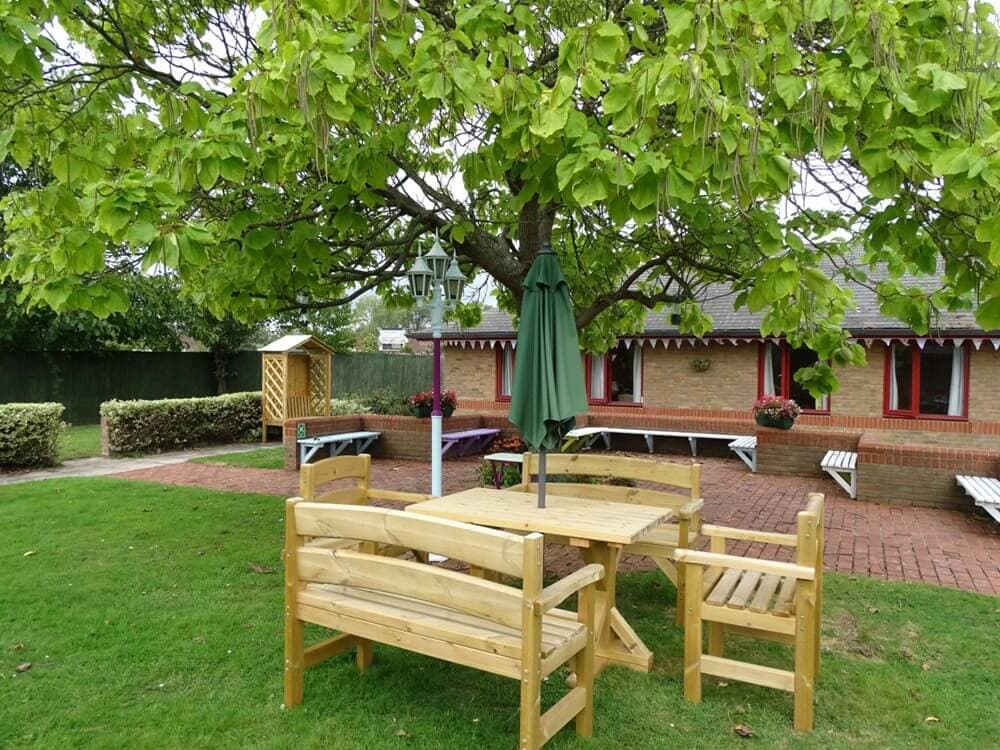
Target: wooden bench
985,492
759,598
308,447
659,544
745,449
466,440
513,632
843,467
590,435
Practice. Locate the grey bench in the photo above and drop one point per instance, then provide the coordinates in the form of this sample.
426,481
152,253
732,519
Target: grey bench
746,449
843,467
592,434
308,447
466,440
985,491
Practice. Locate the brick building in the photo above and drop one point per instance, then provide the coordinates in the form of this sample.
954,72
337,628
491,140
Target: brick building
947,381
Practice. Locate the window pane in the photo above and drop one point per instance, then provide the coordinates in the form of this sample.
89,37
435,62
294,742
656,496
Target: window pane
622,373
901,378
936,379
771,370
799,358
596,378
506,369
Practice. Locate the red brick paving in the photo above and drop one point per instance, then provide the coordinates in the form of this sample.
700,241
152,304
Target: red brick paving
960,549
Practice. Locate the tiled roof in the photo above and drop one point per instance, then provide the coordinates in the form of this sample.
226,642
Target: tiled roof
865,319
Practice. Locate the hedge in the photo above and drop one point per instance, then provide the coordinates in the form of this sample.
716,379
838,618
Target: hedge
29,434
173,423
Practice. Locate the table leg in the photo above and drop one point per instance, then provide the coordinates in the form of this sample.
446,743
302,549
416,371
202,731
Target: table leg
617,643
497,474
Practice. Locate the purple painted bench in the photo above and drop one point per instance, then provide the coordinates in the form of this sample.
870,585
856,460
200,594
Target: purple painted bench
467,440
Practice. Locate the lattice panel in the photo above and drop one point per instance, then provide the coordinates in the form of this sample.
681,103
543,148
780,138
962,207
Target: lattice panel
318,393
272,388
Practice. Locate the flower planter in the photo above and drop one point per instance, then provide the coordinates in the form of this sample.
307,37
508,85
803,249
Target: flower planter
447,410
422,412
782,423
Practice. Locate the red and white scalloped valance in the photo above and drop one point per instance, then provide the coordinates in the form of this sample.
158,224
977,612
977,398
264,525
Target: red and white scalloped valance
678,342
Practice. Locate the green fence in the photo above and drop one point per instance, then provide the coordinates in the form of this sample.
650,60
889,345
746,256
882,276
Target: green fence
81,381
363,372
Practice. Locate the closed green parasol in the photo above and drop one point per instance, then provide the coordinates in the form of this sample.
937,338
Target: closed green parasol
548,390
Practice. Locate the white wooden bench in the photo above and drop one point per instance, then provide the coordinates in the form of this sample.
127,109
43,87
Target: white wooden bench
590,435
505,630
308,447
843,467
746,449
985,491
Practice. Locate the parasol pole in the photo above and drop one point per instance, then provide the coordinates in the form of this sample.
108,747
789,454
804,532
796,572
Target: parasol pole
541,477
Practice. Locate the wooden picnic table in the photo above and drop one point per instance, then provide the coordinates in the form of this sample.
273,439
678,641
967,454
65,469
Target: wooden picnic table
600,529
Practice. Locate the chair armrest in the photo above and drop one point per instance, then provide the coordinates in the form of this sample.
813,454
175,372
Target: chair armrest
689,510
772,567
749,535
400,497
555,594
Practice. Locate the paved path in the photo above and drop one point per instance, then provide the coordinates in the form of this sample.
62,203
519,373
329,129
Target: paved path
101,465
954,548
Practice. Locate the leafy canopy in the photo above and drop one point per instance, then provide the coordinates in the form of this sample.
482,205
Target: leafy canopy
293,154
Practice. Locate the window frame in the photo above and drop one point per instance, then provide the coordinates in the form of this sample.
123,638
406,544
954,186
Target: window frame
498,370
606,399
916,367
785,359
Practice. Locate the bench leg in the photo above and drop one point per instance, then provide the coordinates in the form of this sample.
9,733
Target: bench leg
649,442
805,653
692,634
363,657
294,658
716,639
606,437
362,447
340,447
307,452
693,442
584,663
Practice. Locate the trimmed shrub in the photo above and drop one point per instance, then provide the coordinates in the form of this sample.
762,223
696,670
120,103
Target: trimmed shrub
344,407
172,423
383,402
29,434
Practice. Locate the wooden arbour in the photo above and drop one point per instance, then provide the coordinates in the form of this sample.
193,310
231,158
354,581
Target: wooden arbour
295,380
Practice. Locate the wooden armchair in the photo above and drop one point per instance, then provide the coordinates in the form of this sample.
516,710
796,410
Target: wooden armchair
659,544
758,598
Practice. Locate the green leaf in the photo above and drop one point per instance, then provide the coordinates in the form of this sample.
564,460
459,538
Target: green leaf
988,315
233,169
789,88
208,172
550,122
5,138
617,98
678,19
591,85
340,64
260,238
590,191
141,233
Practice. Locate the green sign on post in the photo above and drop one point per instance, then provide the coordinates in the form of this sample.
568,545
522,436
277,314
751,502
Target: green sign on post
300,430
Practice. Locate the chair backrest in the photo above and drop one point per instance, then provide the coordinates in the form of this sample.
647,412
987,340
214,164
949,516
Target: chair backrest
297,406
511,554
315,475
809,530
683,476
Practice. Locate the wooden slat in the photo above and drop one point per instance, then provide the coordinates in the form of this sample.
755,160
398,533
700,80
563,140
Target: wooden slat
766,537
453,652
785,603
328,648
745,563
556,593
765,594
720,594
615,494
718,666
445,587
486,548
748,582
746,619
341,496
563,516
639,469
559,715
375,493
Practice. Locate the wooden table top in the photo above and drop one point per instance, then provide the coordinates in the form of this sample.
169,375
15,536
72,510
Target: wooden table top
579,518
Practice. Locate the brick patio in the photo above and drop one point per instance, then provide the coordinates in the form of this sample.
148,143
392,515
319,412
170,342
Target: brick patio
933,545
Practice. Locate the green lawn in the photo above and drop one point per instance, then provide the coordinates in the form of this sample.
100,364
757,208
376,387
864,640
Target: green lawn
80,441
265,458
146,627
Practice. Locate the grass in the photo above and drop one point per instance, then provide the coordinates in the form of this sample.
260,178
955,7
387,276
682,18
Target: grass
80,441
143,619
264,458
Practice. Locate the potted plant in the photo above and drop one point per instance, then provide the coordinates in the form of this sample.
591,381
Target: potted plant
774,411
422,403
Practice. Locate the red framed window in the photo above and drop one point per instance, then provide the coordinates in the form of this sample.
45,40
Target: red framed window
505,370
776,375
615,377
931,382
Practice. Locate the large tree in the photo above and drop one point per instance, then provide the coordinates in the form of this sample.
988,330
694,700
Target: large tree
295,154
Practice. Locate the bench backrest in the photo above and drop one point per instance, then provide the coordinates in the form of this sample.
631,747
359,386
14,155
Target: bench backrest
297,406
315,475
511,554
683,476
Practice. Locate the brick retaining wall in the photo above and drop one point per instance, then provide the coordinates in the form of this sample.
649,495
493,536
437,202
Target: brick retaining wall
799,450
